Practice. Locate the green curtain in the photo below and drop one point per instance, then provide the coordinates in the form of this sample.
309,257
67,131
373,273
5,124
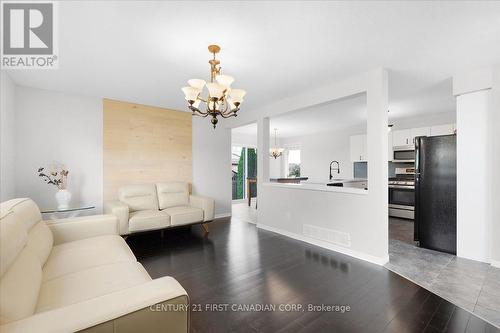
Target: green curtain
240,181
251,172
252,169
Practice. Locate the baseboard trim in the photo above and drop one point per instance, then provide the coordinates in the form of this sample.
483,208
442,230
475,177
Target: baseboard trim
495,263
355,254
221,215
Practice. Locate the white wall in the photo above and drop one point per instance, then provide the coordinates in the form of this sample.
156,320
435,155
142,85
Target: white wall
424,120
57,127
276,166
7,137
363,216
319,149
244,140
212,163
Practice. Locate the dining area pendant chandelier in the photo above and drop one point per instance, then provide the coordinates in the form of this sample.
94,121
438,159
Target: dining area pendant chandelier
221,100
276,151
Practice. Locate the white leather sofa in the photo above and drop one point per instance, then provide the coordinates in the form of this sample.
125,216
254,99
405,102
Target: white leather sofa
159,206
78,274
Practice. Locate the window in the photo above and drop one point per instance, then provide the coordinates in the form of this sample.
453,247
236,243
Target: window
293,165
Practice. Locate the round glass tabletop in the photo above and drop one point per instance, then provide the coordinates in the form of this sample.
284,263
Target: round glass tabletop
69,209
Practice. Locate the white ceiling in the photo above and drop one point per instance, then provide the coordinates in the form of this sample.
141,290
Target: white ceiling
345,114
333,116
144,51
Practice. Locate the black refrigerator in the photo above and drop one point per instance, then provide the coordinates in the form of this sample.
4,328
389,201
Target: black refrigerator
436,193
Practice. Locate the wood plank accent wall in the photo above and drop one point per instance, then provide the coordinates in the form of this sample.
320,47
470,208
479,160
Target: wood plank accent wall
144,144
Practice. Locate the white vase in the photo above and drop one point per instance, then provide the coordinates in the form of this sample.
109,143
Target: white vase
63,197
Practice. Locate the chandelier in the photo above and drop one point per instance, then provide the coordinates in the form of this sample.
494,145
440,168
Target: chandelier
221,100
276,152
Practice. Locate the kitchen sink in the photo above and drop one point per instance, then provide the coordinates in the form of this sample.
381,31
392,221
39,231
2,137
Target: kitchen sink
351,183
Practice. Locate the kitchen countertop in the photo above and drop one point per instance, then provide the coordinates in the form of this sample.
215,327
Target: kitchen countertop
318,187
336,180
289,179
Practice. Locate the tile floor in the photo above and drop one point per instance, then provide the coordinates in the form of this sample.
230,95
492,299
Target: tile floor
472,285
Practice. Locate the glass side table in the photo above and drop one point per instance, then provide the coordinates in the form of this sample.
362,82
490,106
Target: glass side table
71,211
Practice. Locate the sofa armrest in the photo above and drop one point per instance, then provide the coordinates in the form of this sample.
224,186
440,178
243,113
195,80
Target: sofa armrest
144,306
207,204
76,228
121,211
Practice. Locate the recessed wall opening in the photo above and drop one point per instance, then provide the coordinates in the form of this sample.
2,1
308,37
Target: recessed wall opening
321,144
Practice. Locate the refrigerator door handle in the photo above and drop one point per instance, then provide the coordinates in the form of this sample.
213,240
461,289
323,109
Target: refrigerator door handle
417,156
416,221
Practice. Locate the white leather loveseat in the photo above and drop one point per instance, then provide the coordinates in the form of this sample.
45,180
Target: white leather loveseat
78,274
158,206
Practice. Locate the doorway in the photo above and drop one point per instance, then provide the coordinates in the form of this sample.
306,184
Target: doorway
244,173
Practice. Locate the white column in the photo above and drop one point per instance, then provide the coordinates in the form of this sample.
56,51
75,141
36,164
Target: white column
262,152
377,106
495,180
473,175
478,105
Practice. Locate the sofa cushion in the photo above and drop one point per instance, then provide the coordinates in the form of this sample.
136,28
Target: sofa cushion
13,238
26,221
25,209
40,241
20,264
139,197
82,254
19,287
90,283
184,215
148,220
172,194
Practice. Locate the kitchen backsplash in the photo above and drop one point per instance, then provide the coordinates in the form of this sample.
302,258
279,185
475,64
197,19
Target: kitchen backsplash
361,168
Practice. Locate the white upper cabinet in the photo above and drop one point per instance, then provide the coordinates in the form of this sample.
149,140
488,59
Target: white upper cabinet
407,136
419,131
442,129
358,148
401,137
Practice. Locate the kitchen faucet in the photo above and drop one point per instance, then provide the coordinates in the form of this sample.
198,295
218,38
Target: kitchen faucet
336,169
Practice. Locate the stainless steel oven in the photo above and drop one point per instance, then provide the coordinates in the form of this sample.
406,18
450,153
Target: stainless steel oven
402,198
404,154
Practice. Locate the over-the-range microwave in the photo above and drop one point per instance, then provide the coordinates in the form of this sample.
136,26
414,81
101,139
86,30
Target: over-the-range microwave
404,154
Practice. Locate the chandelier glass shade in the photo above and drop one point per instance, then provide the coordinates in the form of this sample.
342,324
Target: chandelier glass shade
276,151
221,100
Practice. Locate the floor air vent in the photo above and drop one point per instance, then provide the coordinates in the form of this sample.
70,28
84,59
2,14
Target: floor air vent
327,235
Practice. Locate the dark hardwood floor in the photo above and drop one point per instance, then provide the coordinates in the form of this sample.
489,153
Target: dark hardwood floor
238,264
